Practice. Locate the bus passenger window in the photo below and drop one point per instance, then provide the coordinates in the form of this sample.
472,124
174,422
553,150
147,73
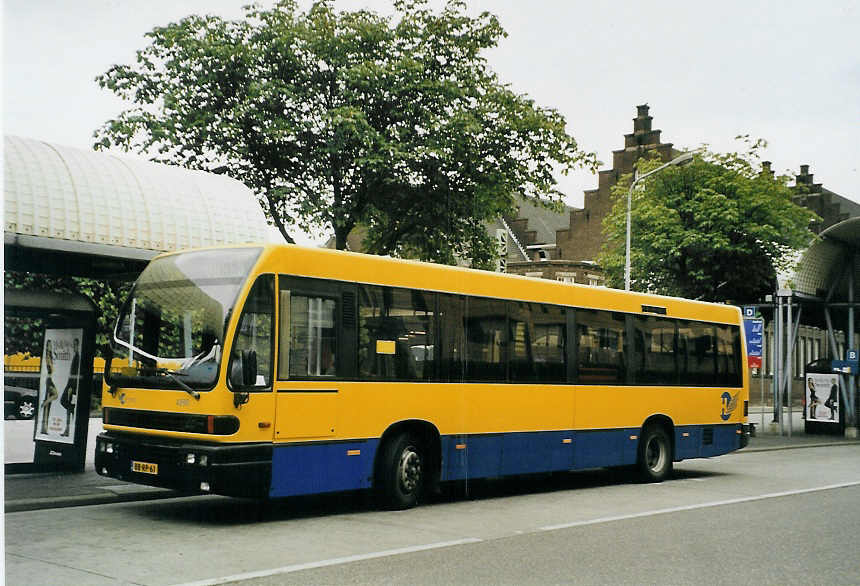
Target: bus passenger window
395,334
729,356
256,329
313,338
601,346
697,354
537,348
654,356
486,322
521,356
549,343
452,335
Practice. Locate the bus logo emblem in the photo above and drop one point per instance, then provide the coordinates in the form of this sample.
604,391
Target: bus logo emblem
730,403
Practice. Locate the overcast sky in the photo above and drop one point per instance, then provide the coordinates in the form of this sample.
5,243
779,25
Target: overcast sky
788,72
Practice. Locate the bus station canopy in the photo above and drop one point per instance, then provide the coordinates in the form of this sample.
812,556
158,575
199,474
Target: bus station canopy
76,212
830,263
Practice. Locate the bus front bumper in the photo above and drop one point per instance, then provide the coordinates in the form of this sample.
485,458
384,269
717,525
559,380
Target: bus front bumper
242,470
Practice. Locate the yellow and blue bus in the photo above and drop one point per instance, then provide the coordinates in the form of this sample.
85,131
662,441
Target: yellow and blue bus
273,371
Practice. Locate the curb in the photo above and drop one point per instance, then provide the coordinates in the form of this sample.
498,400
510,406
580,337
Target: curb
105,498
798,446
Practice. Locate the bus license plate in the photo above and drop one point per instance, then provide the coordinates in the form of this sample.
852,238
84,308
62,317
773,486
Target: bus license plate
144,467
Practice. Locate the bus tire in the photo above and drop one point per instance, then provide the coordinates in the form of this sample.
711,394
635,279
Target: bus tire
402,472
655,454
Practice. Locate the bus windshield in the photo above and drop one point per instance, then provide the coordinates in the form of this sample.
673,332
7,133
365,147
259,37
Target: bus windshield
170,332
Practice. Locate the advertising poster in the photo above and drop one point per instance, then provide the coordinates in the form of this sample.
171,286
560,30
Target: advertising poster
58,386
822,398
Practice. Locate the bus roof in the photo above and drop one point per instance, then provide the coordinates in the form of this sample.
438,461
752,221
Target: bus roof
324,263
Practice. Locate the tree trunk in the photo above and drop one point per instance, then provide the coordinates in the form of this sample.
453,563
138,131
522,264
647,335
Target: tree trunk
273,213
340,238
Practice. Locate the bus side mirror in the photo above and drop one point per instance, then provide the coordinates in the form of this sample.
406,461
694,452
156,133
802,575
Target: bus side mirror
243,372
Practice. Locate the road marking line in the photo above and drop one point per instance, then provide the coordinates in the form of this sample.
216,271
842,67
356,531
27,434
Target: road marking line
416,548
330,562
745,499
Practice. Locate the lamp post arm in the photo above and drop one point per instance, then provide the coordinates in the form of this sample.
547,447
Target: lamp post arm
679,160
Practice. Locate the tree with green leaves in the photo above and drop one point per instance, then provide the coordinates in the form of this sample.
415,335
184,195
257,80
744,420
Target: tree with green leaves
339,119
718,229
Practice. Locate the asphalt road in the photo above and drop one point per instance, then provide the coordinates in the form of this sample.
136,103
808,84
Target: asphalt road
779,517
702,546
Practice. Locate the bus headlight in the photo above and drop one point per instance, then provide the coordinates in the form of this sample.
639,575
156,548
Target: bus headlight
199,459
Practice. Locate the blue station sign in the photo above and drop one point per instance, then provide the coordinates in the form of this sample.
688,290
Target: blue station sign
754,333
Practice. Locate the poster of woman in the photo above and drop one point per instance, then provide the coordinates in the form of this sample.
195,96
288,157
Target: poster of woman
58,385
822,398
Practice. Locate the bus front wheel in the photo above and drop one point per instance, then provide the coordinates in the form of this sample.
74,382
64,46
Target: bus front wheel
402,472
655,454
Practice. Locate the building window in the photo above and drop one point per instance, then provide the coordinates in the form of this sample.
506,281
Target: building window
565,277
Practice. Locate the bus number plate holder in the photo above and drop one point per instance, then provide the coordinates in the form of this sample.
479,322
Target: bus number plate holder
144,467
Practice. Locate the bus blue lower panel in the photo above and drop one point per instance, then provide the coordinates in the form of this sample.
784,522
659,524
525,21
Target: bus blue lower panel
724,438
599,448
487,456
505,454
338,466
688,441
704,441
322,467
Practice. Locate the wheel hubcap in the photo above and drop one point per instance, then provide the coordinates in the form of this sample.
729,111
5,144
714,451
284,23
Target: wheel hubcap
410,470
654,455
26,409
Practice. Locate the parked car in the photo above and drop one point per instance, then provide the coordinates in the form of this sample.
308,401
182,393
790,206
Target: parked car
20,403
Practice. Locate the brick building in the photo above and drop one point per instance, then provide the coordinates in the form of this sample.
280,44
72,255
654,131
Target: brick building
584,236
528,243
832,207
570,254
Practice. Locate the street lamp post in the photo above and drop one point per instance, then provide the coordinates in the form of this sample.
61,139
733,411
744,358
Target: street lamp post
679,160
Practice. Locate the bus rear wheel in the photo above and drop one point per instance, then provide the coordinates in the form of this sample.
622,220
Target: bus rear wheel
655,454
402,472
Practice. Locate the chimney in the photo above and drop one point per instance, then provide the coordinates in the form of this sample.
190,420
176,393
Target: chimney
642,122
765,168
805,177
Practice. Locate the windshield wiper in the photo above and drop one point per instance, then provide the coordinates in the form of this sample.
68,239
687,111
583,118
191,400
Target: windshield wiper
174,376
